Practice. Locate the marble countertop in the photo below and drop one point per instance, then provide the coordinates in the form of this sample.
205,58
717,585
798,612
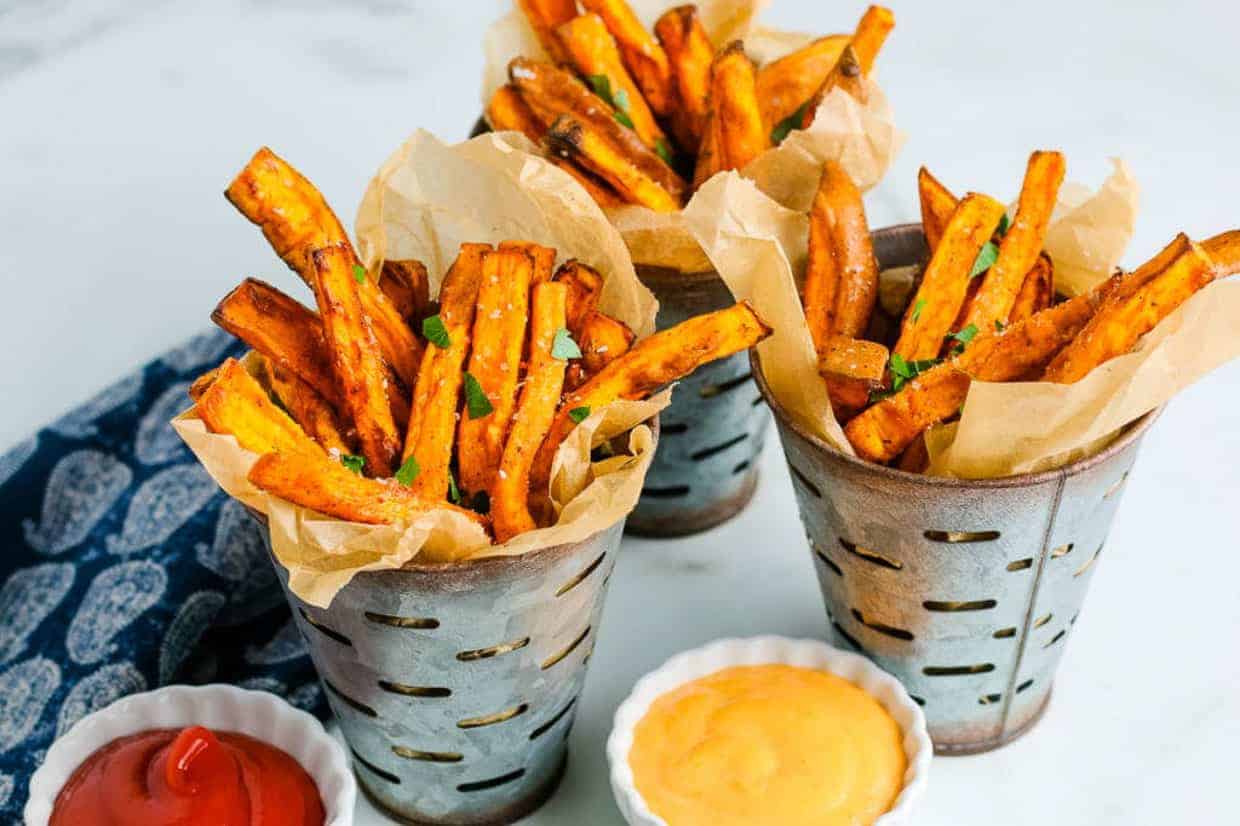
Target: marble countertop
120,124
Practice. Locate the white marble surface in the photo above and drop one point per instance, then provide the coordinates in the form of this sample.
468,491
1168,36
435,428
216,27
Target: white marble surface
121,122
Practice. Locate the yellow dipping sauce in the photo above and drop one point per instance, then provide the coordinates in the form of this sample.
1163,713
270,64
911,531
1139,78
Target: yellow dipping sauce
768,744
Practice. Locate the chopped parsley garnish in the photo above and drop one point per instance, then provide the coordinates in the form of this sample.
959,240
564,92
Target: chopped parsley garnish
985,259
917,308
563,347
353,463
999,326
454,493
789,123
1004,223
963,337
408,471
435,331
903,370
664,151
619,100
476,401
359,273
579,414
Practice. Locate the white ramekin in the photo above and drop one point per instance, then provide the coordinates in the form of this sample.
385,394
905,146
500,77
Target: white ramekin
721,654
259,714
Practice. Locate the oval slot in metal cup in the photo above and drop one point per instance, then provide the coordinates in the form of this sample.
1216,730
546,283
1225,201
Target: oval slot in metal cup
949,583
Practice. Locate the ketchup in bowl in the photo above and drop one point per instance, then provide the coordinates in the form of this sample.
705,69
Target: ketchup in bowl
189,777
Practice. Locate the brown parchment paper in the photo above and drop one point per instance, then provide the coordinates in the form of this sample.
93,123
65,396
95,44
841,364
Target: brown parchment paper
862,137
425,200
758,248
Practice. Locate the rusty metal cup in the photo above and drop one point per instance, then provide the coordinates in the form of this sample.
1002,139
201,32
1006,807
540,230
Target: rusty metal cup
965,590
455,685
706,468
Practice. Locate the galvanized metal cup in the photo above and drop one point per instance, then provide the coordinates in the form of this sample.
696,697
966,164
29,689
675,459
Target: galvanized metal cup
706,468
454,685
965,590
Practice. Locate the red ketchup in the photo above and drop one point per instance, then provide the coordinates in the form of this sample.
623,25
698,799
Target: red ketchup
191,777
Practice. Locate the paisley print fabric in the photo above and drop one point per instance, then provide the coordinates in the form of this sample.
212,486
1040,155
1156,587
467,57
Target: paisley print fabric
125,568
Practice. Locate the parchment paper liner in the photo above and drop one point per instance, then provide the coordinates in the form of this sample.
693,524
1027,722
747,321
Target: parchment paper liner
1006,428
863,138
426,199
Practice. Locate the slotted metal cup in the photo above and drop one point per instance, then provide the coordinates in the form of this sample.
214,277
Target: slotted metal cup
706,468
455,685
965,590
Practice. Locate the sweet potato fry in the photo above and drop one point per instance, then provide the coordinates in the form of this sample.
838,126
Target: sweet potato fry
544,380
736,120
507,111
544,17
310,410
593,52
849,396
937,206
584,286
551,92
853,358
296,219
432,419
689,54
543,258
653,362
291,336
329,488
938,299
847,75
841,278
1224,251
708,159
498,343
1036,293
916,457
573,139
595,187
785,85
1139,302
643,55
407,286
602,340
236,404
1022,244
355,358
870,34
885,429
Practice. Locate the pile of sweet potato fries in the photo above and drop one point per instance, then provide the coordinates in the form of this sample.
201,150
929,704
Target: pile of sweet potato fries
645,118
984,307
359,417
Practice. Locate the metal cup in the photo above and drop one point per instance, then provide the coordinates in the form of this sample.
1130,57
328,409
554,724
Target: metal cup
966,590
706,468
455,685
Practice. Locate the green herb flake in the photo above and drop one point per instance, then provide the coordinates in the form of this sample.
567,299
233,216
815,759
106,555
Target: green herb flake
579,414
408,471
999,326
877,396
476,401
985,259
903,370
454,493
601,84
963,337
435,331
353,463
664,151
621,100
563,347
359,273
789,123
917,308
623,118
1004,223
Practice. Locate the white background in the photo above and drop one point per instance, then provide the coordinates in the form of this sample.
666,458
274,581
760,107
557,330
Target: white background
121,122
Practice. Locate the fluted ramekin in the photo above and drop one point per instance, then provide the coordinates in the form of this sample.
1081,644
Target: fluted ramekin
259,714
768,650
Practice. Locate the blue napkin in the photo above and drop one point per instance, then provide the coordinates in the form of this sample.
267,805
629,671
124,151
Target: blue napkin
125,568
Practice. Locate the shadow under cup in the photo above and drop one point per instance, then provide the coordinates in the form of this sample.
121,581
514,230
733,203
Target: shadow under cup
965,590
